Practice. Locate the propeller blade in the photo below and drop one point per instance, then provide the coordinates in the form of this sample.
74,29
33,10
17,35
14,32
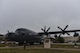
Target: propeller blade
42,29
65,27
45,28
45,31
60,28
48,29
67,33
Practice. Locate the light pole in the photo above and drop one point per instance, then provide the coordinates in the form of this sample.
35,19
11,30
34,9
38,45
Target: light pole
24,44
76,35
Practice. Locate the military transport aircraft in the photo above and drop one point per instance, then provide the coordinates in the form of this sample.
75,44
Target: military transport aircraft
22,34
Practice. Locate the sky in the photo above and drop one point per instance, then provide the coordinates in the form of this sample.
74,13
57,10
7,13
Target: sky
35,14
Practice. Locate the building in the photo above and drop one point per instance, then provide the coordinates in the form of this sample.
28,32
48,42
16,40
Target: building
71,39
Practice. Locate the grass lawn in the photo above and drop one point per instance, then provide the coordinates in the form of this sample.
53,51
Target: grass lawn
30,49
17,50
53,46
63,46
41,46
11,45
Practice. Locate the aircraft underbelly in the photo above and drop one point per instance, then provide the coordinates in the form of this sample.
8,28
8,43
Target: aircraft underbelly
28,38
32,39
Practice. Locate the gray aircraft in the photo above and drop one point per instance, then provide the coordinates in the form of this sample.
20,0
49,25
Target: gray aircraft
22,34
31,37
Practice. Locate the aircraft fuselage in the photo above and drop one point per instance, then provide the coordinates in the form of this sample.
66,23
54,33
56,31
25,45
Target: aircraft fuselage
21,35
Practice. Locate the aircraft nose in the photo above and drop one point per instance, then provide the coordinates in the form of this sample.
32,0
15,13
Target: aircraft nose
7,37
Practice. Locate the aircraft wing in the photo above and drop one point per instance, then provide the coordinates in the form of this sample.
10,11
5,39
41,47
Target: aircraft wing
57,32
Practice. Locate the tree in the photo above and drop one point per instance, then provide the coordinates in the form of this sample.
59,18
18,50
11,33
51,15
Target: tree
58,39
78,39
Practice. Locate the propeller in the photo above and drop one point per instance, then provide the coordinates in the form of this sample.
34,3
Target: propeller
76,34
45,30
55,36
63,30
